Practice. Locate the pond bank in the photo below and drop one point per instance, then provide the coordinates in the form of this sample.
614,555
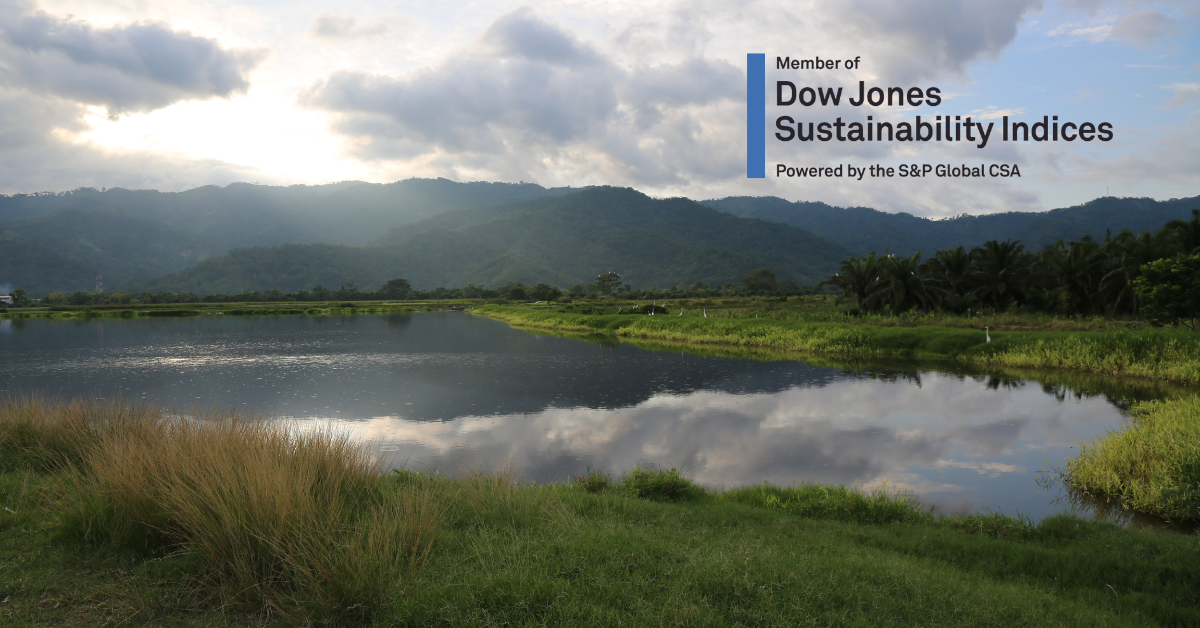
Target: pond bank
94,524
1151,465
1170,355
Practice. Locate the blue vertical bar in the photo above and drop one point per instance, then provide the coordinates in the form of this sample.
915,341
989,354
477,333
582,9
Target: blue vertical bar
756,116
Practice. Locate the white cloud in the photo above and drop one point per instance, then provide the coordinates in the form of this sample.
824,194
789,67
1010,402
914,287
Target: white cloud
936,37
134,67
343,27
528,92
53,68
990,112
1143,27
1185,93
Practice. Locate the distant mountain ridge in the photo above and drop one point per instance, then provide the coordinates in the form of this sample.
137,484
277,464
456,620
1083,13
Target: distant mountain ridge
441,232
48,240
562,240
864,229
244,214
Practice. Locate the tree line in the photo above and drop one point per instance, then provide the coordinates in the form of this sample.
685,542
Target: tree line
607,285
1156,275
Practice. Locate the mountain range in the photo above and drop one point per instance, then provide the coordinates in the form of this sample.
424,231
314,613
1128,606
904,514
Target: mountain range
436,232
864,229
560,240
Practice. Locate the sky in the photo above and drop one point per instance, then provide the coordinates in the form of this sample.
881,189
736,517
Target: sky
175,94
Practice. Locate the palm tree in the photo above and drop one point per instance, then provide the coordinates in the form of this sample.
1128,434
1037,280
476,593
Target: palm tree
1002,273
1127,254
903,285
857,277
953,271
1073,272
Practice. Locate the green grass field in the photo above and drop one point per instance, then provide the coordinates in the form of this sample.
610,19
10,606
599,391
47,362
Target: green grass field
115,515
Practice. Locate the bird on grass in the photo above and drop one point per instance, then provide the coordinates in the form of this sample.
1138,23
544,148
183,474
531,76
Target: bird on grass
986,334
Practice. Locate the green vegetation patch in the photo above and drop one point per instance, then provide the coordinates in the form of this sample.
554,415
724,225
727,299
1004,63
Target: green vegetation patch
1152,464
1172,355
126,515
155,313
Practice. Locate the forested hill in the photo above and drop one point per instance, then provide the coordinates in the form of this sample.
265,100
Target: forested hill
243,214
864,229
57,242
561,240
437,232
62,251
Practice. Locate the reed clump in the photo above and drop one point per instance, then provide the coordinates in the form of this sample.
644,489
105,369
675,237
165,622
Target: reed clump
301,523
1151,464
660,485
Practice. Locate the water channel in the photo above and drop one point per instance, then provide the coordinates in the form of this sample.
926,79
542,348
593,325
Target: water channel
453,390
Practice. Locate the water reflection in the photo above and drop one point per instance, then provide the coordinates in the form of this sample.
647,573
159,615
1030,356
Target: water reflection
447,389
952,441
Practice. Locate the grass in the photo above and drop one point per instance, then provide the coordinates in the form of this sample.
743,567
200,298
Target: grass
800,555
298,523
1152,464
1169,355
120,514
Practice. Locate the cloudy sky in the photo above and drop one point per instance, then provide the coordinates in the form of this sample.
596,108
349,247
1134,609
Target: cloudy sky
173,94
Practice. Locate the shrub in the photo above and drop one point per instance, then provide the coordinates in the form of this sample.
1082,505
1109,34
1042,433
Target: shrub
669,485
593,481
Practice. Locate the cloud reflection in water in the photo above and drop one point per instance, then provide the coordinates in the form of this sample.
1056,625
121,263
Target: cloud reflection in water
446,390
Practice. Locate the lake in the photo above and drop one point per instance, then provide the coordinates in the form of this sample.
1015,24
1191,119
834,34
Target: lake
451,390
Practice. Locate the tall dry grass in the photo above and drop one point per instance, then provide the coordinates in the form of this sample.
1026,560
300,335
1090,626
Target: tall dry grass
301,522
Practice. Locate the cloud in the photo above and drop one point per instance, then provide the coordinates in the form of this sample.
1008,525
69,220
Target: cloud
990,112
1143,27
343,27
52,69
1185,93
135,67
532,79
529,92
522,34
936,36
530,99
38,153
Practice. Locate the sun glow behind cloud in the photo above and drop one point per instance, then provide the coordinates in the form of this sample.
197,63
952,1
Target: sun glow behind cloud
285,143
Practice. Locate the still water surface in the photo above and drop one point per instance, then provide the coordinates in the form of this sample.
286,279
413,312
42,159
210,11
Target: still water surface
448,390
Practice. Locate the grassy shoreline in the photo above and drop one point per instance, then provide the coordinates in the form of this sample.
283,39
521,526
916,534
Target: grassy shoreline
316,308
119,512
1169,355
1151,464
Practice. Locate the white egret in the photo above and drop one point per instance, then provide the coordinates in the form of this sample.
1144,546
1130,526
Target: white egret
986,334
